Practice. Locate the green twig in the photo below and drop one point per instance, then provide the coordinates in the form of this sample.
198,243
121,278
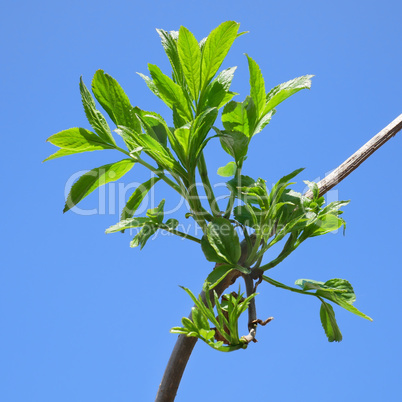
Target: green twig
180,234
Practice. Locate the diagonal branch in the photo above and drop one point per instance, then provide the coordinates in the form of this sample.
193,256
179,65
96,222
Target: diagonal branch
184,346
352,163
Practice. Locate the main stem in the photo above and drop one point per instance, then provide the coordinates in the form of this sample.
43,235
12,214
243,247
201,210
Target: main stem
184,346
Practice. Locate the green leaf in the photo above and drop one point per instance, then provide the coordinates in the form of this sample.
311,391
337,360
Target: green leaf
155,150
143,235
280,186
172,223
150,84
199,130
169,43
314,188
156,125
344,298
237,183
180,141
95,117
209,251
240,116
95,178
188,324
111,96
329,323
334,206
235,144
264,121
228,170
171,93
199,319
309,284
217,93
216,47
128,224
62,152
283,91
257,86
156,214
323,225
78,140
224,240
137,197
247,215
190,57
218,274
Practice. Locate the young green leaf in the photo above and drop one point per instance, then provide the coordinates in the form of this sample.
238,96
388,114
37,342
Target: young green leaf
190,58
240,116
216,47
323,225
209,251
247,215
217,93
228,170
156,126
155,150
169,43
137,197
218,274
113,99
257,86
199,130
78,140
199,319
234,143
61,152
329,323
150,84
95,118
128,224
171,93
344,298
95,178
149,130
314,189
224,240
156,214
180,141
283,91
172,223
264,121
143,235
280,186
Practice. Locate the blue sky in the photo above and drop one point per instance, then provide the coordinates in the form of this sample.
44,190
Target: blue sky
85,317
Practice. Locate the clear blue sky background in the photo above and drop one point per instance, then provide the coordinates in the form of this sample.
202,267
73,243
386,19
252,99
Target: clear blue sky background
86,318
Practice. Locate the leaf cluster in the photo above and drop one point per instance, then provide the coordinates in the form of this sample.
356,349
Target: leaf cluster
197,92
225,319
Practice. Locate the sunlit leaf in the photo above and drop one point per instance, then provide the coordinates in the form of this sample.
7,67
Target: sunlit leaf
113,99
257,86
94,116
224,240
228,170
95,178
283,91
137,197
329,323
215,49
190,57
